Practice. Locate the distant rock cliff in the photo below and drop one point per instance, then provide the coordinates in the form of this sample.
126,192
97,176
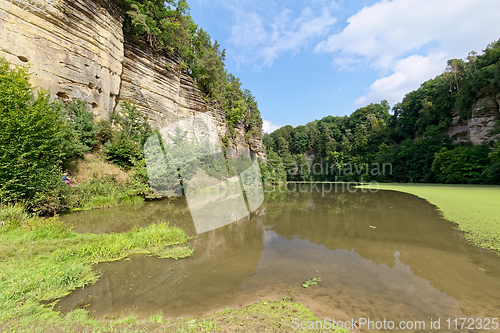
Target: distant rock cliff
78,50
485,115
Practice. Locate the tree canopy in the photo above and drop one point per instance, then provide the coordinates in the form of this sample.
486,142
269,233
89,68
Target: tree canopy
411,138
166,26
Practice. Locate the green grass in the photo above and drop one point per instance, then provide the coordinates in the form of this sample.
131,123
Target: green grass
264,316
157,317
11,215
475,208
130,200
42,259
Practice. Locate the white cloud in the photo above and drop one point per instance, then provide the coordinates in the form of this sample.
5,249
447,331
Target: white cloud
265,36
409,41
269,127
409,73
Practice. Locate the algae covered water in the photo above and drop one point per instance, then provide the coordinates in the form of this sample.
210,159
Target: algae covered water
384,255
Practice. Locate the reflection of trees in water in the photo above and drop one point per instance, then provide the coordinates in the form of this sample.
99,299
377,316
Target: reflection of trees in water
407,229
345,217
406,226
125,217
222,260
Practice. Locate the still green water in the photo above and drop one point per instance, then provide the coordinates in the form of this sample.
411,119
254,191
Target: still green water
380,255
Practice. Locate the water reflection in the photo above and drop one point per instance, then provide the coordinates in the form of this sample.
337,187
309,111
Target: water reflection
380,255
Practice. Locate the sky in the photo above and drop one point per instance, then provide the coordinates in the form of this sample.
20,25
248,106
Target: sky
304,60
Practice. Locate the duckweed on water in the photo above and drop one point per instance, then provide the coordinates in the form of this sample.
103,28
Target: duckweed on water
311,282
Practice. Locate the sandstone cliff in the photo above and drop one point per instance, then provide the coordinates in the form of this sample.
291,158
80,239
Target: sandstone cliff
485,115
78,50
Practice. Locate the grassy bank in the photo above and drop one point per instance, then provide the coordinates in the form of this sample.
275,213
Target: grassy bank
475,208
95,184
42,259
264,316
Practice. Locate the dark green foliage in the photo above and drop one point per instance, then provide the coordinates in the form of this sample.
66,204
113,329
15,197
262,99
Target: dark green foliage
273,171
122,151
234,103
253,120
267,141
378,110
412,161
477,77
104,131
161,24
492,171
425,111
462,165
79,114
303,170
80,131
126,148
207,65
132,123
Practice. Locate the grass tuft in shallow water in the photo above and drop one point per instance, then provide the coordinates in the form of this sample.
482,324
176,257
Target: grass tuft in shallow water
130,200
42,259
156,318
151,239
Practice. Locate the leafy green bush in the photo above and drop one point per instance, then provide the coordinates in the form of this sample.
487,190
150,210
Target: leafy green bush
82,120
273,171
461,165
132,123
492,171
127,146
53,200
32,137
123,151
161,24
104,131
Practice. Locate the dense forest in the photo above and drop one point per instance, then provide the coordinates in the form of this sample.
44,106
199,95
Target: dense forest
407,143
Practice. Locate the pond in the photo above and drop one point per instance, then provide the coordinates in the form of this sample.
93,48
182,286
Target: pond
379,255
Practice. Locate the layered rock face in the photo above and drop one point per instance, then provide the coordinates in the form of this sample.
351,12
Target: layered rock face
478,128
77,50
74,50
166,94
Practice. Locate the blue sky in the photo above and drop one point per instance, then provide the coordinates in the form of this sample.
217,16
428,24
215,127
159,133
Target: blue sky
304,60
